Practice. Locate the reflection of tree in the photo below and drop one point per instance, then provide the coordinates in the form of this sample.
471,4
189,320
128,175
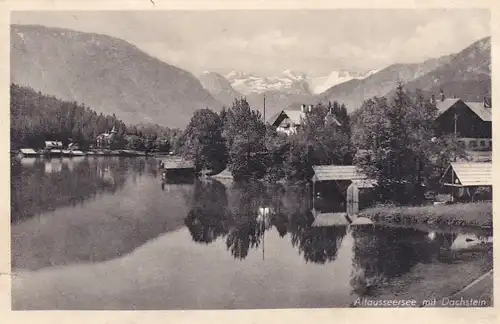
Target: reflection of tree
316,244
280,221
212,216
246,229
383,253
246,233
208,219
34,191
241,220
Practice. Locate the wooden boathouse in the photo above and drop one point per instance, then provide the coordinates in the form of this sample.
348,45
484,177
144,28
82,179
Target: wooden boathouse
176,168
464,179
349,180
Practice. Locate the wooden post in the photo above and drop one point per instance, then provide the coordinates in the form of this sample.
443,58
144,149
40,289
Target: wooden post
352,200
452,188
455,132
314,192
264,108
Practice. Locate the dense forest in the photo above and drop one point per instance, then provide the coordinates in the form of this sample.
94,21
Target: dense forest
396,135
36,118
392,140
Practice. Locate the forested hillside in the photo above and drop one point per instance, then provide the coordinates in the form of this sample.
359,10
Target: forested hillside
36,117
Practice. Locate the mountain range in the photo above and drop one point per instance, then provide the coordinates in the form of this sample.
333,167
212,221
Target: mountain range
113,76
105,73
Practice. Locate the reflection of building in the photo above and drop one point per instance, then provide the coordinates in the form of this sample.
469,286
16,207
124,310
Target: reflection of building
53,166
28,162
105,140
470,120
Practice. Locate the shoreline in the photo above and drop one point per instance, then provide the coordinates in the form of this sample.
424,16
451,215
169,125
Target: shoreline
461,215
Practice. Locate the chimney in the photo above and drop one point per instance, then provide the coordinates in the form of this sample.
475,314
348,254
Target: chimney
303,108
442,95
487,102
310,108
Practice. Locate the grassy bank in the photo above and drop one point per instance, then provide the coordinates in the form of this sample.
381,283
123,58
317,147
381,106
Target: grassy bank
461,214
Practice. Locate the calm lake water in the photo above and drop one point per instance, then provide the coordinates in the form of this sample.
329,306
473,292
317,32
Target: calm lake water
104,233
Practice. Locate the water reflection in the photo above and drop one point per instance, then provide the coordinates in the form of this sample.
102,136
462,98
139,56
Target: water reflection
380,253
89,210
41,185
249,211
125,205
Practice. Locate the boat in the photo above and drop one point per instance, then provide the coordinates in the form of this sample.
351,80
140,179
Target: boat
77,153
55,153
28,152
66,153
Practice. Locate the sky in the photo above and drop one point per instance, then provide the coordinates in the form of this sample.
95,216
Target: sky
267,42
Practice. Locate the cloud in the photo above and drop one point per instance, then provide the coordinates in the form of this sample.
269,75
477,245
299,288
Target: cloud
267,42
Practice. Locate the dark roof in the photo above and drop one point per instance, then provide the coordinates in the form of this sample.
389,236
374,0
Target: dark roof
477,107
271,120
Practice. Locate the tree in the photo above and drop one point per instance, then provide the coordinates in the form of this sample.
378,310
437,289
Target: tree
319,141
135,142
276,146
244,132
204,143
396,139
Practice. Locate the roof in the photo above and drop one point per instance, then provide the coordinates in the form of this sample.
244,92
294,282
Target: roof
177,163
331,119
296,116
27,151
53,143
330,219
364,183
274,117
225,174
444,105
337,172
471,174
477,107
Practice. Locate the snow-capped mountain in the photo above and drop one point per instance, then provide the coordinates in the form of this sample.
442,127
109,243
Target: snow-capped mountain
287,82
290,81
322,83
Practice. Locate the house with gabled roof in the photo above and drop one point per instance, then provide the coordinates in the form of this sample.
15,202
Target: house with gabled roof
289,120
105,139
471,121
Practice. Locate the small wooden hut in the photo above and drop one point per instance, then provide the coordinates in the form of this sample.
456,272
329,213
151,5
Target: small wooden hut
466,179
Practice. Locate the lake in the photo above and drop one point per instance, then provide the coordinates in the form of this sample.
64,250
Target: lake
105,233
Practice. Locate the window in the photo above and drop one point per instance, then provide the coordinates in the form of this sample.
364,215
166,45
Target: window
472,144
482,143
461,144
